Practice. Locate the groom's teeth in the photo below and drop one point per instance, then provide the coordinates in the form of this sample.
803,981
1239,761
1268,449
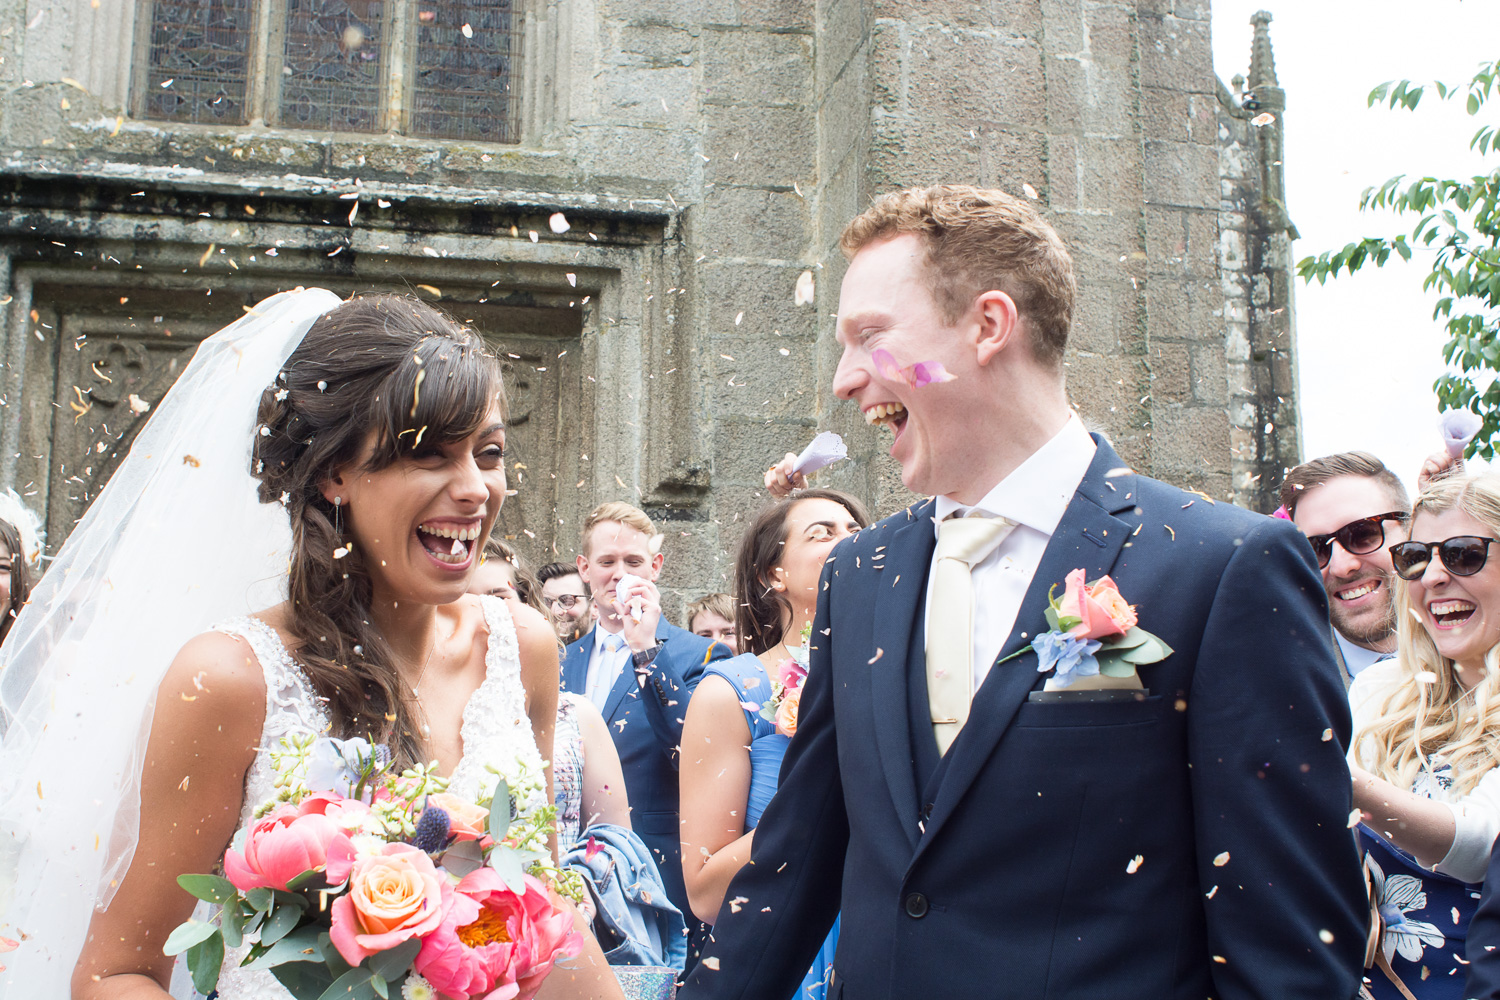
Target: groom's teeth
883,411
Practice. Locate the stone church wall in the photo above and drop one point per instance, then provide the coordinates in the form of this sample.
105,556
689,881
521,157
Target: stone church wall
706,153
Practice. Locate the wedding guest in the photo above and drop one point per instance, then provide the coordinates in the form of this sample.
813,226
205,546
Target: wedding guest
731,752
588,790
1352,509
1427,737
712,617
565,597
15,577
504,573
639,670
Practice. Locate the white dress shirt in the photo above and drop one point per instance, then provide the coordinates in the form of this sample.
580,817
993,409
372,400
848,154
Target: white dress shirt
1034,496
1357,658
605,665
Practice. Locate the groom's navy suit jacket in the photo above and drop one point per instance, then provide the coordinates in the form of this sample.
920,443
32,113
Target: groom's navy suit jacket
1190,844
645,716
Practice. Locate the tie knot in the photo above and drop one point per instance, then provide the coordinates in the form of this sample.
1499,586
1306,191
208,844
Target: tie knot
970,539
614,643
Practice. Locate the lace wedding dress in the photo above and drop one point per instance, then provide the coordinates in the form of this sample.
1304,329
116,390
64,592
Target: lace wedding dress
496,729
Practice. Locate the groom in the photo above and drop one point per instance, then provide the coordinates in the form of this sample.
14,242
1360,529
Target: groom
980,836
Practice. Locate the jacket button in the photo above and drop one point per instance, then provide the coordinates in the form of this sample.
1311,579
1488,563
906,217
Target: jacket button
916,906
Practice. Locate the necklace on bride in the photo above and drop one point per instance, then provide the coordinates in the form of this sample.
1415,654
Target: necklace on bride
416,689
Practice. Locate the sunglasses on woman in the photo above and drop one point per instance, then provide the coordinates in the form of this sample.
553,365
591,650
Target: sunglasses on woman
1358,538
1463,555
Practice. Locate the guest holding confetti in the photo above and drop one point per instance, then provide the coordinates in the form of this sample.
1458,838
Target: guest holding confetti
1427,741
20,553
744,711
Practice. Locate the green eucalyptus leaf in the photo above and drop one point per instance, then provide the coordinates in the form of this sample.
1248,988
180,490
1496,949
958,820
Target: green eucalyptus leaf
1152,650
186,935
301,945
354,983
1116,666
463,857
508,864
1131,639
204,960
310,879
261,899
1051,615
382,989
303,979
211,888
232,922
283,921
500,816
393,962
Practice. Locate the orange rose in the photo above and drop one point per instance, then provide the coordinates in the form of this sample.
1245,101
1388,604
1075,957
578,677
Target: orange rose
1100,610
786,712
466,820
393,896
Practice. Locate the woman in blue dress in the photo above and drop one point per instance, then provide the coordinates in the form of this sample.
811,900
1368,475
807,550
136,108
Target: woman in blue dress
1427,742
731,747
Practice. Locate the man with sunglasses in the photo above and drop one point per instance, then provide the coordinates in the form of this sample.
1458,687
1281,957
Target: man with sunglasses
1352,509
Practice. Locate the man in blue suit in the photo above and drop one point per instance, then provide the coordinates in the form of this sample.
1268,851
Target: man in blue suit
639,670
1178,834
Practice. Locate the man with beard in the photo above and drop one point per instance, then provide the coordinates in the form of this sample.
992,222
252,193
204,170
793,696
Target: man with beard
1352,509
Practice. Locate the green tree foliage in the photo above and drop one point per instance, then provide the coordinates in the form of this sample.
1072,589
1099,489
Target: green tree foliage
1459,221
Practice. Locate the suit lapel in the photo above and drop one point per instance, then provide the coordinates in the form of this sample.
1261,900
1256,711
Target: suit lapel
575,666
1088,536
898,602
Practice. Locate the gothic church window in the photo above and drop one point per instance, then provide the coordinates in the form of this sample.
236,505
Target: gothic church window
442,69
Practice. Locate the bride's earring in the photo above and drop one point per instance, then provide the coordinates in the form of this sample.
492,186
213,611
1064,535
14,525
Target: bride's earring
338,517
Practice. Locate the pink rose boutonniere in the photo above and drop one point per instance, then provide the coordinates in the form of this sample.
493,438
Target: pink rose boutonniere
1095,640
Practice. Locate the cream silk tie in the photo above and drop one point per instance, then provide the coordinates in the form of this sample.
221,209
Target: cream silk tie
962,543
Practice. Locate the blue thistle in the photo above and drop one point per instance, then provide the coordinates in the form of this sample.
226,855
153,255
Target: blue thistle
432,830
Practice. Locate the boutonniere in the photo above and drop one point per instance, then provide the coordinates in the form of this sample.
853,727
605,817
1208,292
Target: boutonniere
786,689
1094,641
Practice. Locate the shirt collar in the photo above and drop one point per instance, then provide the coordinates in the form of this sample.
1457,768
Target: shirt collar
1038,492
599,636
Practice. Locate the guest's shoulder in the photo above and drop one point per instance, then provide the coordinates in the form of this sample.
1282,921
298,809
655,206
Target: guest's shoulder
1375,682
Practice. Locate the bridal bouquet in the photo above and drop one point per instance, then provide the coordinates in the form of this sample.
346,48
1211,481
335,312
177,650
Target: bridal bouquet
360,883
786,689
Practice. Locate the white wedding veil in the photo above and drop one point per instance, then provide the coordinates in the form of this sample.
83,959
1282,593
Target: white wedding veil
175,542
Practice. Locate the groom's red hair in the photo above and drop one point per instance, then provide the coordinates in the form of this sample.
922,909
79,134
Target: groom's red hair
980,240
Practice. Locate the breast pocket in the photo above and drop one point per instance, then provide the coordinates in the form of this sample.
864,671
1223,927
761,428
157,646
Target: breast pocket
1089,715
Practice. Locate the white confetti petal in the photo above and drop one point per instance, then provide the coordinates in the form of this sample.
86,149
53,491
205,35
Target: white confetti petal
1221,860
806,289
558,223
1135,863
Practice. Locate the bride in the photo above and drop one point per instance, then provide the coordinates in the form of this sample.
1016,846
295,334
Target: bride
380,437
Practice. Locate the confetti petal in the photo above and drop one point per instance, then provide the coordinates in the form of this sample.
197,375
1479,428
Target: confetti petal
806,290
1221,860
558,223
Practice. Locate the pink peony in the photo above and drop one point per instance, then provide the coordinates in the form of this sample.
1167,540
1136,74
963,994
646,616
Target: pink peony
791,674
283,845
494,943
1100,610
394,895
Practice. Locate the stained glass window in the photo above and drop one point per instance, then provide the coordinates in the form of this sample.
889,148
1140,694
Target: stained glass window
465,84
198,61
331,75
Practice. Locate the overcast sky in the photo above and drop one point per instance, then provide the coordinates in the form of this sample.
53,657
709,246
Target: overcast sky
1368,347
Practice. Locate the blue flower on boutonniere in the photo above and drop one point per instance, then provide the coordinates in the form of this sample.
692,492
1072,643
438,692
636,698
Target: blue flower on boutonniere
1069,655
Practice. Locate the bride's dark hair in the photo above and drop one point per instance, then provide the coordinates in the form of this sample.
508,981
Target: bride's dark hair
400,370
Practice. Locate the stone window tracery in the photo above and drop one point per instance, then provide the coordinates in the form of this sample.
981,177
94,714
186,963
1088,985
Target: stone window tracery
445,69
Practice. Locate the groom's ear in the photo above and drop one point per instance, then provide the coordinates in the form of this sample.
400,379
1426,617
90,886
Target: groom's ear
999,323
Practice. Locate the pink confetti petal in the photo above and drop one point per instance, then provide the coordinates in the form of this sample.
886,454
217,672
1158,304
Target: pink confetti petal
886,365
928,372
